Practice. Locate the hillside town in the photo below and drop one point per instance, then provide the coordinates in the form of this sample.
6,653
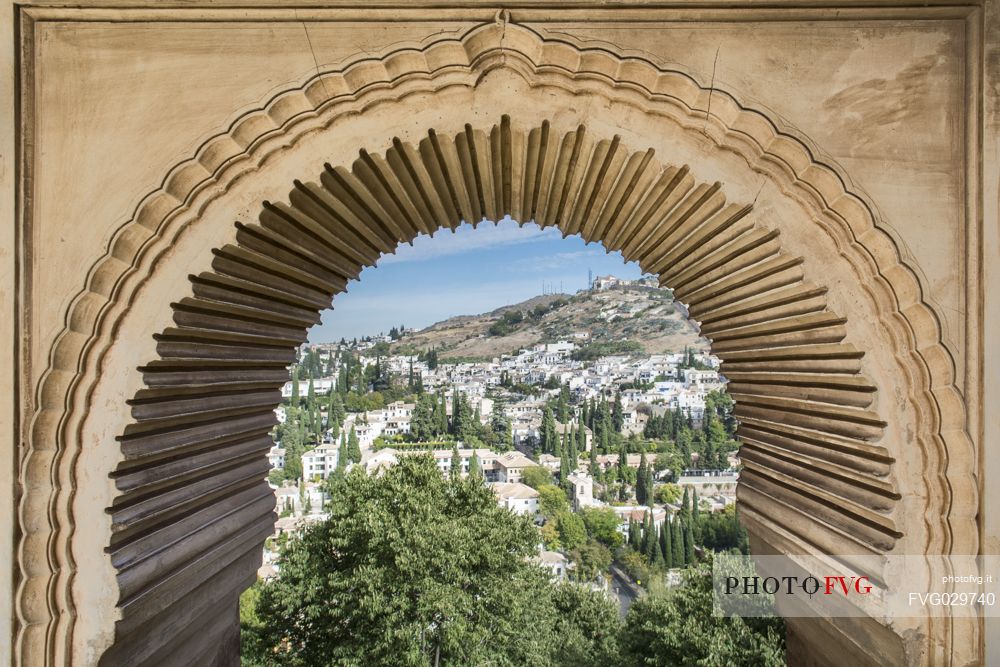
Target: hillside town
625,461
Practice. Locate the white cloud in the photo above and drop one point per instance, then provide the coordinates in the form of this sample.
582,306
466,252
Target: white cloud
559,260
466,239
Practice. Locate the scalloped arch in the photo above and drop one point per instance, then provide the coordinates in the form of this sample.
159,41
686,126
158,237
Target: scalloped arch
45,606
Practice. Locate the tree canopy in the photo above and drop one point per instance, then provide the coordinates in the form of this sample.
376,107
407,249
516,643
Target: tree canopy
413,567
678,628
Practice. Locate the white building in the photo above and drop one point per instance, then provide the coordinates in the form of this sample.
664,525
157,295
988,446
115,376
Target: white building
518,498
583,490
319,462
511,465
555,563
276,457
320,386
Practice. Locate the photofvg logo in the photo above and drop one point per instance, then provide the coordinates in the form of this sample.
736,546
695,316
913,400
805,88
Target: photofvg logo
845,586
790,585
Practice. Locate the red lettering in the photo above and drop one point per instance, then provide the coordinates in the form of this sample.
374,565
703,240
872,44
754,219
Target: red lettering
831,583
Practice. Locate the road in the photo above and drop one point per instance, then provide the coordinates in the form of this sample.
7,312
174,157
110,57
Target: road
626,591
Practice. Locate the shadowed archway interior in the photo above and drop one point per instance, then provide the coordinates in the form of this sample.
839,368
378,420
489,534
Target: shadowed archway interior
193,508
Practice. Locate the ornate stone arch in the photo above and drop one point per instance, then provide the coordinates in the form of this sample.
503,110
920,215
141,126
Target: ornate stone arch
475,173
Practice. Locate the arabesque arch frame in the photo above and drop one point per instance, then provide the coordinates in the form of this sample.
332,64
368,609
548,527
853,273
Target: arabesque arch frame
837,365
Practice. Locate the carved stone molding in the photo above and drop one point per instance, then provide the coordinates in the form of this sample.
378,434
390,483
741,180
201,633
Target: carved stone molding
192,474
810,443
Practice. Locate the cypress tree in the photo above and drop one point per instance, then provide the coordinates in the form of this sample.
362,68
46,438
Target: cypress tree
689,556
335,408
342,454
657,549
695,517
295,388
454,413
562,405
442,413
641,490
665,543
574,452
474,468
548,434
317,424
650,542
456,463
564,473
617,414
677,541
622,464
648,483
311,393
353,448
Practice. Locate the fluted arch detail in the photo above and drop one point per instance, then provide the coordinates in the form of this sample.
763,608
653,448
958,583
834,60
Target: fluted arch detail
44,601
201,425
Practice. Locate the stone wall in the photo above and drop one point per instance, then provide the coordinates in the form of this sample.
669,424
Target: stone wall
817,183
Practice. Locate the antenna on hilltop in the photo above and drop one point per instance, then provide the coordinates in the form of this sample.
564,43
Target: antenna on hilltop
590,279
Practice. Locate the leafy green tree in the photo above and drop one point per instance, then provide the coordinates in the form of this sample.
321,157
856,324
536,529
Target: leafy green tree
452,583
422,424
678,627
552,501
293,441
550,536
587,623
668,493
602,525
572,532
536,476
500,428
722,531
252,628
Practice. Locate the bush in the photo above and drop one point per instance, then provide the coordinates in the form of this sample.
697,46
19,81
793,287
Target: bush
679,628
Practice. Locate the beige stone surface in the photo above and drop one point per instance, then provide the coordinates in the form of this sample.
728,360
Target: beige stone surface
879,100
145,96
877,143
9,379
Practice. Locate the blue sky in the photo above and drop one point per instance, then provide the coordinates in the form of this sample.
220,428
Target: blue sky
466,272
